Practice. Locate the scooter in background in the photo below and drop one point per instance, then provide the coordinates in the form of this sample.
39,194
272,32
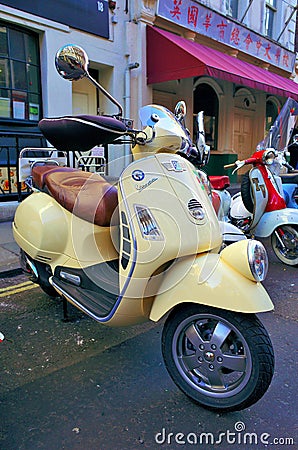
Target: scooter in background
279,137
260,209
149,247
219,185
286,178
290,189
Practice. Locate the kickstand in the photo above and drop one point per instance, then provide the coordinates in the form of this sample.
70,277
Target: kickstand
65,311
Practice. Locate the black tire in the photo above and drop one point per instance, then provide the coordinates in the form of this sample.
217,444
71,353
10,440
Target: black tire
202,348
246,193
284,241
49,290
44,273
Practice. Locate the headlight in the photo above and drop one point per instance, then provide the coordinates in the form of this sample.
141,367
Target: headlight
269,156
258,259
247,257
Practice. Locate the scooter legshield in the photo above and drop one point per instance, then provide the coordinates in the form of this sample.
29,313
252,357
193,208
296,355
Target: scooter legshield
273,219
259,193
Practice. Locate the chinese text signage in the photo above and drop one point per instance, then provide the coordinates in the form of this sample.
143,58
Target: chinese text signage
198,18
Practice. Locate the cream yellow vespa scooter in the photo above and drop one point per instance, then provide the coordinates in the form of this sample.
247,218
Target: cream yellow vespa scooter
148,247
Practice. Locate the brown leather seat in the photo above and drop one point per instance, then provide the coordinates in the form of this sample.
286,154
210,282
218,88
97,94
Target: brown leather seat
85,194
39,173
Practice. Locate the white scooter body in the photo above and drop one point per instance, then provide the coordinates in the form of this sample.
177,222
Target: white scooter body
273,219
237,209
262,223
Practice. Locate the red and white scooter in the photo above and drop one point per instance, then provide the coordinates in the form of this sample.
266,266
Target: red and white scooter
259,209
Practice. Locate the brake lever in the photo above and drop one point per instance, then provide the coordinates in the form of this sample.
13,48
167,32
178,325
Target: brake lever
238,164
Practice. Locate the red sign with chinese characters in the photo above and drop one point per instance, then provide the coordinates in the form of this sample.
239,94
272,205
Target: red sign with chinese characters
202,20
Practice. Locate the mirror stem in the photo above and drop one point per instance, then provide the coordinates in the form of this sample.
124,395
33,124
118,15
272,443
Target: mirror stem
106,93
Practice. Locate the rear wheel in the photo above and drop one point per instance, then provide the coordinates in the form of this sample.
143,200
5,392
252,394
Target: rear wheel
284,241
48,289
219,359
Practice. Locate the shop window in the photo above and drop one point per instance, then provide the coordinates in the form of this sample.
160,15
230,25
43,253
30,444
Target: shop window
20,96
205,99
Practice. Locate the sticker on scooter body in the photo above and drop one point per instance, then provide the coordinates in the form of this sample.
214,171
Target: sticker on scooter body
260,194
259,187
138,175
174,165
140,187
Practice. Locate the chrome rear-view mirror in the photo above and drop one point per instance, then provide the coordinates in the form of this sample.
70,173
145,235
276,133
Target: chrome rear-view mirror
72,62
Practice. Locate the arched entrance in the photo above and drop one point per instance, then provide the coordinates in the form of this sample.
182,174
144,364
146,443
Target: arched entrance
205,99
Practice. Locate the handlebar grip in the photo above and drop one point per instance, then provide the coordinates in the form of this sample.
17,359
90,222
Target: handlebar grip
228,166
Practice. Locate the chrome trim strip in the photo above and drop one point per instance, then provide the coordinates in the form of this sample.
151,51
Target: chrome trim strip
72,300
133,239
32,267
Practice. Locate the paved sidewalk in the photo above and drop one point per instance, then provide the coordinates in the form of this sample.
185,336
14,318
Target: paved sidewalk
9,251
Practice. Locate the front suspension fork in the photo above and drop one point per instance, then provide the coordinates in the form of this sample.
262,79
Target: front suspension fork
279,233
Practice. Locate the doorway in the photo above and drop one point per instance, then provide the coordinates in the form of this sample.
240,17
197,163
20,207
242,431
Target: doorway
243,134
205,99
244,137
85,96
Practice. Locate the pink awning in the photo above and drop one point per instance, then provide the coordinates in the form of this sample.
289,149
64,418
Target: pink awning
170,57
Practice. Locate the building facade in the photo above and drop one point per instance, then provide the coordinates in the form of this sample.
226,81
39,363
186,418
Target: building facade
31,32
236,60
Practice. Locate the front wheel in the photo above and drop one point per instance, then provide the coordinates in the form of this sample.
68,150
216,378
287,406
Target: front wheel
246,193
284,241
220,359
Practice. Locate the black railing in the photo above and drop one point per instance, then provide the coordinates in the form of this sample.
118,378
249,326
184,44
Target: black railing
10,147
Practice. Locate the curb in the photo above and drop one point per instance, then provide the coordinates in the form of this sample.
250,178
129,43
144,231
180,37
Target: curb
10,273
7,211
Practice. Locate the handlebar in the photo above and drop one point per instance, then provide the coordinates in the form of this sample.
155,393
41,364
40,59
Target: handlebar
288,166
229,166
238,164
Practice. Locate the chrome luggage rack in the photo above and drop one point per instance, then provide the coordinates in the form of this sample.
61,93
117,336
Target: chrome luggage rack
31,156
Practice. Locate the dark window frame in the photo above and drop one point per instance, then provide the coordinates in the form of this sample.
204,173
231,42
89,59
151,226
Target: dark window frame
270,14
24,102
232,8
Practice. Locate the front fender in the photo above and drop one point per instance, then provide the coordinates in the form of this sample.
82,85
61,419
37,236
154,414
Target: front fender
210,280
270,220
